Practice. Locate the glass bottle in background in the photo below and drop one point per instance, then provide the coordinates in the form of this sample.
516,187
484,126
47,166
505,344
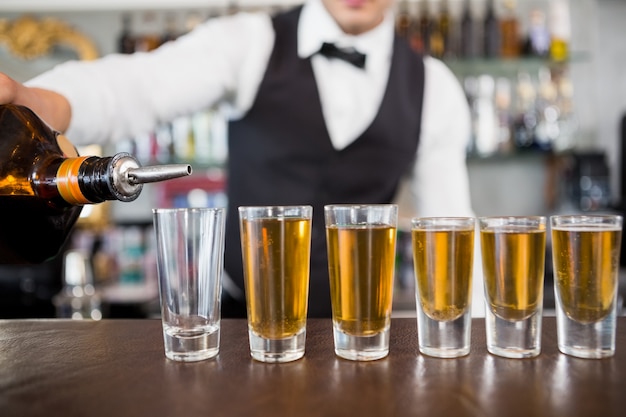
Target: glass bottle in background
171,28
78,299
425,27
403,20
525,119
415,35
548,113
470,86
568,123
491,32
150,33
538,42
468,32
126,40
486,122
444,30
503,103
509,31
560,30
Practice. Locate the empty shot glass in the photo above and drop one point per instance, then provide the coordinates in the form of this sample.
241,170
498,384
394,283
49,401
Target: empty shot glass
276,249
513,254
586,251
361,242
190,259
443,254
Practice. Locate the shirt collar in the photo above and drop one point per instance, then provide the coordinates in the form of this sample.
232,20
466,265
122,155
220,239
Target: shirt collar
317,26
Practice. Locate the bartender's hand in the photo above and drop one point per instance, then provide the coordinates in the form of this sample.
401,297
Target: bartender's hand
52,107
8,89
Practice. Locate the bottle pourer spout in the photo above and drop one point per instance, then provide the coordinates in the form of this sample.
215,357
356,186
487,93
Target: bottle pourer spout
129,176
144,175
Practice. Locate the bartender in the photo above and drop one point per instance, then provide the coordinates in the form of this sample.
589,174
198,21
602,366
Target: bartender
326,106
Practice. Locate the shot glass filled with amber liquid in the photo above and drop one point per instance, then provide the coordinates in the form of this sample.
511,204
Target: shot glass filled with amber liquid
513,254
443,254
585,251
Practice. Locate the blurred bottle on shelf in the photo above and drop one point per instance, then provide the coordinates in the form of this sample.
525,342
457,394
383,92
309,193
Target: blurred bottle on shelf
538,39
403,19
470,87
504,114
491,32
525,120
486,121
171,29
560,30
425,28
149,36
78,299
443,46
126,41
468,32
548,128
509,31
131,255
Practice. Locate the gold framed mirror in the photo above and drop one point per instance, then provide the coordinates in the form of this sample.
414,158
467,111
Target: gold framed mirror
28,38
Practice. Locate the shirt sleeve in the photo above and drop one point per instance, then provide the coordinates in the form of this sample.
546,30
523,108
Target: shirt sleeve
440,183
121,96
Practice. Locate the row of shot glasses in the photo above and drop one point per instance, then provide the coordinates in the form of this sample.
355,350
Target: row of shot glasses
361,242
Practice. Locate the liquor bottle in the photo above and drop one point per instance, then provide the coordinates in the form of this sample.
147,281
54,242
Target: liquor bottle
444,26
171,31
78,299
468,49
538,42
491,32
403,20
126,40
509,31
44,184
425,27
560,30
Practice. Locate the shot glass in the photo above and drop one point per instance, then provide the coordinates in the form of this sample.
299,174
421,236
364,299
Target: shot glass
361,259
190,259
513,254
443,254
276,249
586,250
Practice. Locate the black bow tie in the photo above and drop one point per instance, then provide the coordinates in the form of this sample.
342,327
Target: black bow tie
350,55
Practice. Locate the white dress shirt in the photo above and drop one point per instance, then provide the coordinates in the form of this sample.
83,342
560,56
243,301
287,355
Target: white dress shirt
223,61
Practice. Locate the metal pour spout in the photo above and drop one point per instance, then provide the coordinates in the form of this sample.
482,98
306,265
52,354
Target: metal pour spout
129,176
144,175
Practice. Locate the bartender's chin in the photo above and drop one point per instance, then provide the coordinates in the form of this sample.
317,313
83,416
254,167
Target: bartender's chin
357,16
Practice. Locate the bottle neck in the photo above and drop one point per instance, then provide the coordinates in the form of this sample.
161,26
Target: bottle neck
80,180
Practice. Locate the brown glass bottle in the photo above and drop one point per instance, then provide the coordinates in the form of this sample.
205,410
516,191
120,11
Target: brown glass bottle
509,31
44,184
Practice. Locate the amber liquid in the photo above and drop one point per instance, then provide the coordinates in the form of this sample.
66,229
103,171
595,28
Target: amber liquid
276,258
28,236
509,35
34,222
361,268
443,261
513,263
586,264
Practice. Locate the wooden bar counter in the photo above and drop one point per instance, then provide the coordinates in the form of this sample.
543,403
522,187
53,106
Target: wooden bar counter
118,368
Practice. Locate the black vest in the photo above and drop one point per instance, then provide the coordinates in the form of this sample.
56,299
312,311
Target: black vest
280,153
